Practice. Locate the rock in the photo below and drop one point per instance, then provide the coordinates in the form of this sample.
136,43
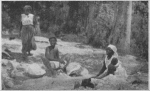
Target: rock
8,82
3,85
85,72
4,73
5,55
76,69
9,67
34,70
4,62
72,67
14,63
16,74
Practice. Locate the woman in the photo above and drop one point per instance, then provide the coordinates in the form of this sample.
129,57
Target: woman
111,65
112,69
27,31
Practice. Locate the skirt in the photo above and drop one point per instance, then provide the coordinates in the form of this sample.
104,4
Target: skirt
27,37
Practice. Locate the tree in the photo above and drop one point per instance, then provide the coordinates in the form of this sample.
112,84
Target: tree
128,27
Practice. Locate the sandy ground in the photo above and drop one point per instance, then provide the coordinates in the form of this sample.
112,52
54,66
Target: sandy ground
89,57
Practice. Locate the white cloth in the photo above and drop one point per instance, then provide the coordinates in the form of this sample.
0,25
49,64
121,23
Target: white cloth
85,73
72,67
27,19
35,70
56,65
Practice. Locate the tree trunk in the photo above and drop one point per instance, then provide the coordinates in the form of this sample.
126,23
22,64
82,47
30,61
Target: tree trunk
89,22
128,28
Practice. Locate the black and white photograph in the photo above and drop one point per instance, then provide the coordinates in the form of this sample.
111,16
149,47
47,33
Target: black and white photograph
74,45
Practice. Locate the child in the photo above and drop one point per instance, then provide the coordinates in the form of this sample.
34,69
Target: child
52,60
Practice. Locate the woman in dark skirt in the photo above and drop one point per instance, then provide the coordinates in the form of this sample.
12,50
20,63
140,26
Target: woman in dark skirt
28,23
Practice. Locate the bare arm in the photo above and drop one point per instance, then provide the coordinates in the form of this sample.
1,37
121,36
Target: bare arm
105,73
110,70
60,60
101,71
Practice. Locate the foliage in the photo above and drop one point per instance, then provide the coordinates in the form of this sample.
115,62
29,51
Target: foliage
140,28
100,23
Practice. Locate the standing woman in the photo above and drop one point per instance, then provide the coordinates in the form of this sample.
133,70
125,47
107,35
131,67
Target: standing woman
28,23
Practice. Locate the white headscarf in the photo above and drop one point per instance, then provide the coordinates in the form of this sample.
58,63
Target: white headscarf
113,47
108,61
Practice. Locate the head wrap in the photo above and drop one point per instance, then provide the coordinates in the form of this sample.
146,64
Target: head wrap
27,7
113,47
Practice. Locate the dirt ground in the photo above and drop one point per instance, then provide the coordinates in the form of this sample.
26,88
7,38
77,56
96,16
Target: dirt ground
89,57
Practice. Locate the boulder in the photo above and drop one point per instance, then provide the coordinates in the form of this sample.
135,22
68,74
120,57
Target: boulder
14,63
7,82
34,70
17,74
5,54
76,69
4,62
72,67
85,73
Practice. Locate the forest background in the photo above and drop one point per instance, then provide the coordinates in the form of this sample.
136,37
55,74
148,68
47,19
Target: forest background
96,23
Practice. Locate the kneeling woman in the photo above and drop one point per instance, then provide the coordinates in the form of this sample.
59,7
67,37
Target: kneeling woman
112,70
111,64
